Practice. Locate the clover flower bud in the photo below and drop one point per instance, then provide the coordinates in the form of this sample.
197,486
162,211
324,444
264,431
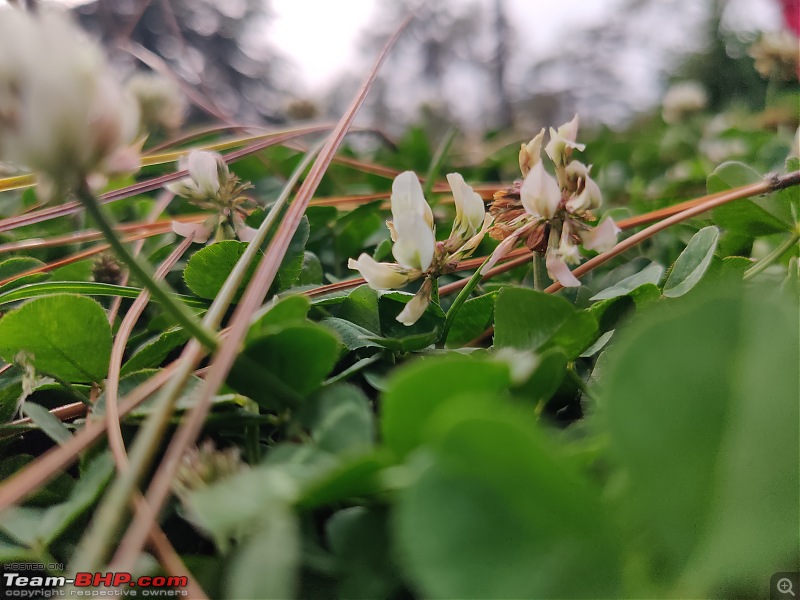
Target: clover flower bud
207,173
530,153
540,194
407,197
415,307
161,103
682,99
557,269
412,223
567,247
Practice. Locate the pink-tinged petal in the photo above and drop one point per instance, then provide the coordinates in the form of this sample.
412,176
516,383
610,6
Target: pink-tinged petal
415,307
530,153
245,233
200,231
503,248
559,271
602,238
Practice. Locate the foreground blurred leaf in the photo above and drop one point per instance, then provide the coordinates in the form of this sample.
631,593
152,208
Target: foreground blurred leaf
701,406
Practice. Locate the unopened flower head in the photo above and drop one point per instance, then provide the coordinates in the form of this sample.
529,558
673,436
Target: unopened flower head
415,248
62,112
161,103
683,99
212,186
552,214
776,55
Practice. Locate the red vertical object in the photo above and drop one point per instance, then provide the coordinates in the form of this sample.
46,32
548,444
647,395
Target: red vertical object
791,15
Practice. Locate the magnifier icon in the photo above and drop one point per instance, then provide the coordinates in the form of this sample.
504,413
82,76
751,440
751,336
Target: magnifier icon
784,586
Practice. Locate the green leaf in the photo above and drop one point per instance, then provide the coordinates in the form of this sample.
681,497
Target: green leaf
20,264
298,357
650,274
743,216
87,288
545,379
291,309
414,393
361,308
72,341
47,422
153,353
339,419
472,319
692,263
209,267
530,320
359,476
700,401
494,513
391,304
266,564
359,539
292,263
353,337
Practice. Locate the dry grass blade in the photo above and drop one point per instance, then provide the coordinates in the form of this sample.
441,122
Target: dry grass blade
187,433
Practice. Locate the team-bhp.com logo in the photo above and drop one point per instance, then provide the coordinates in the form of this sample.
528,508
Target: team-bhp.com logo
24,585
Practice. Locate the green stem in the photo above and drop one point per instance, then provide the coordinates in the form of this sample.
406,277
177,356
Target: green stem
141,271
538,271
772,257
462,297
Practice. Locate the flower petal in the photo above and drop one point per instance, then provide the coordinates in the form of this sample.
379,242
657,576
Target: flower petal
540,193
407,197
415,307
470,209
561,143
380,276
204,170
200,231
559,271
601,238
530,153
414,245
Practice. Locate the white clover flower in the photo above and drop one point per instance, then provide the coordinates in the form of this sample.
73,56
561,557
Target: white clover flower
470,210
412,224
161,103
540,194
415,247
562,142
207,171
212,186
62,113
590,197
530,153
682,99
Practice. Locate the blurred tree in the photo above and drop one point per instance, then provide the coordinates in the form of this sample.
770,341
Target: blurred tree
211,46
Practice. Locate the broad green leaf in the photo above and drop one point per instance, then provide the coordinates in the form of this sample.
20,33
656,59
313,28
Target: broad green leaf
359,476
415,392
361,308
312,272
266,564
340,420
353,337
700,402
472,319
545,379
359,539
47,422
530,320
692,263
494,513
292,263
209,267
391,304
743,216
153,353
72,341
298,357
650,274
291,309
